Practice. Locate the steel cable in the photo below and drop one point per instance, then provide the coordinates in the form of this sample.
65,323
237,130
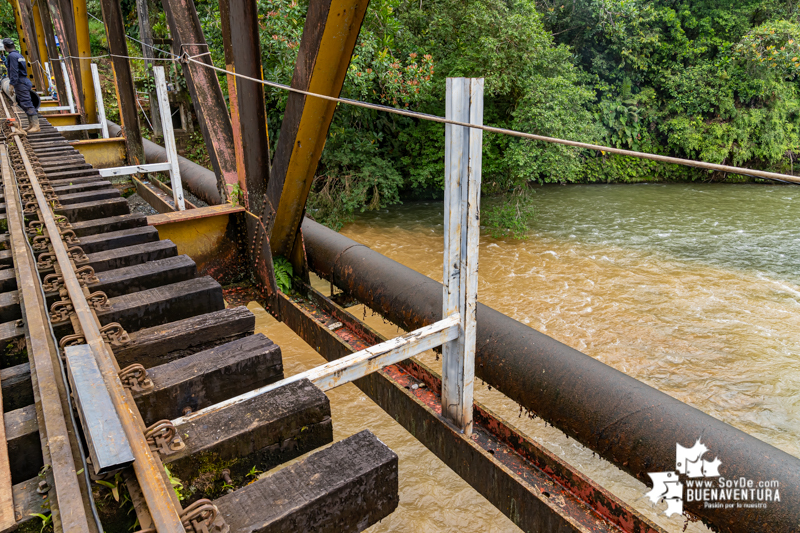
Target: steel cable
185,58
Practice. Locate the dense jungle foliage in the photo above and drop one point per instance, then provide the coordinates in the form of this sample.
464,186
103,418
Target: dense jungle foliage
710,79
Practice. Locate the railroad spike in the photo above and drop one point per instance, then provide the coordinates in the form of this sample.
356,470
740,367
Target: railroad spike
163,438
134,377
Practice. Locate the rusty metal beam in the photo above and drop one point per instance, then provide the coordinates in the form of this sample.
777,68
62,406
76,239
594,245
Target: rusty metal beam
46,21
23,41
41,46
153,196
329,36
126,90
534,488
63,19
84,50
249,95
233,101
68,491
147,466
203,84
31,50
146,35
625,421
243,55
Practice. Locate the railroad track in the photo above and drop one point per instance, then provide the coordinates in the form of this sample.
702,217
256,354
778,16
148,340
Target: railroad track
107,335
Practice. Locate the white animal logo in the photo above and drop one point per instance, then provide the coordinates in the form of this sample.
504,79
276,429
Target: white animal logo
690,463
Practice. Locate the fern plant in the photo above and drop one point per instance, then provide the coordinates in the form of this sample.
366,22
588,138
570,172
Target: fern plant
283,274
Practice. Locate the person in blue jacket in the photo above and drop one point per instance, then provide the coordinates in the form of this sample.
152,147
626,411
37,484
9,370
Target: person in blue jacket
18,76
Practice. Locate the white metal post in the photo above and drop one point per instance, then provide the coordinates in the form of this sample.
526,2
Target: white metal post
469,261
464,103
101,108
169,137
67,85
49,77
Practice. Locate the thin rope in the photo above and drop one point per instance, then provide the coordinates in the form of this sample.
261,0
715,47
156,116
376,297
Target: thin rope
513,133
137,40
145,115
168,59
186,58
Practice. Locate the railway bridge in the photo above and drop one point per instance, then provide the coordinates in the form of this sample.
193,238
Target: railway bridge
122,363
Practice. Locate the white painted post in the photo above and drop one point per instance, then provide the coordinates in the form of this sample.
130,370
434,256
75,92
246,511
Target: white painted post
169,137
469,261
101,108
67,85
49,77
464,103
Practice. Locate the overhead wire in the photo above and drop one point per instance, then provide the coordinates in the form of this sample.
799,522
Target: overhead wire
512,133
137,40
185,58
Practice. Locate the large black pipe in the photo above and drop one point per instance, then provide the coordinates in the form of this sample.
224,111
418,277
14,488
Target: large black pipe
631,424
199,180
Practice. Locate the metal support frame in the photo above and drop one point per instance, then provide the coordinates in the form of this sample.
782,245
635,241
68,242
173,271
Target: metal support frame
464,103
50,84
203,85
23,41
329,37
249,121
456,332
68,492
172,165
249,96
354,366
100,109
233,100
102,123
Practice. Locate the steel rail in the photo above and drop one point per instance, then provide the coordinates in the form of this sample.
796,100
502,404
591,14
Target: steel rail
148,469
68,492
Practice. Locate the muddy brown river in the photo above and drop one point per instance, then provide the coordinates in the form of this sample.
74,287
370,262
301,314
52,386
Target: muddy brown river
693,289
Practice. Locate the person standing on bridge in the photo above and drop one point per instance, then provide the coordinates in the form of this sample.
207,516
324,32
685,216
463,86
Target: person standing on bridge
18,76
